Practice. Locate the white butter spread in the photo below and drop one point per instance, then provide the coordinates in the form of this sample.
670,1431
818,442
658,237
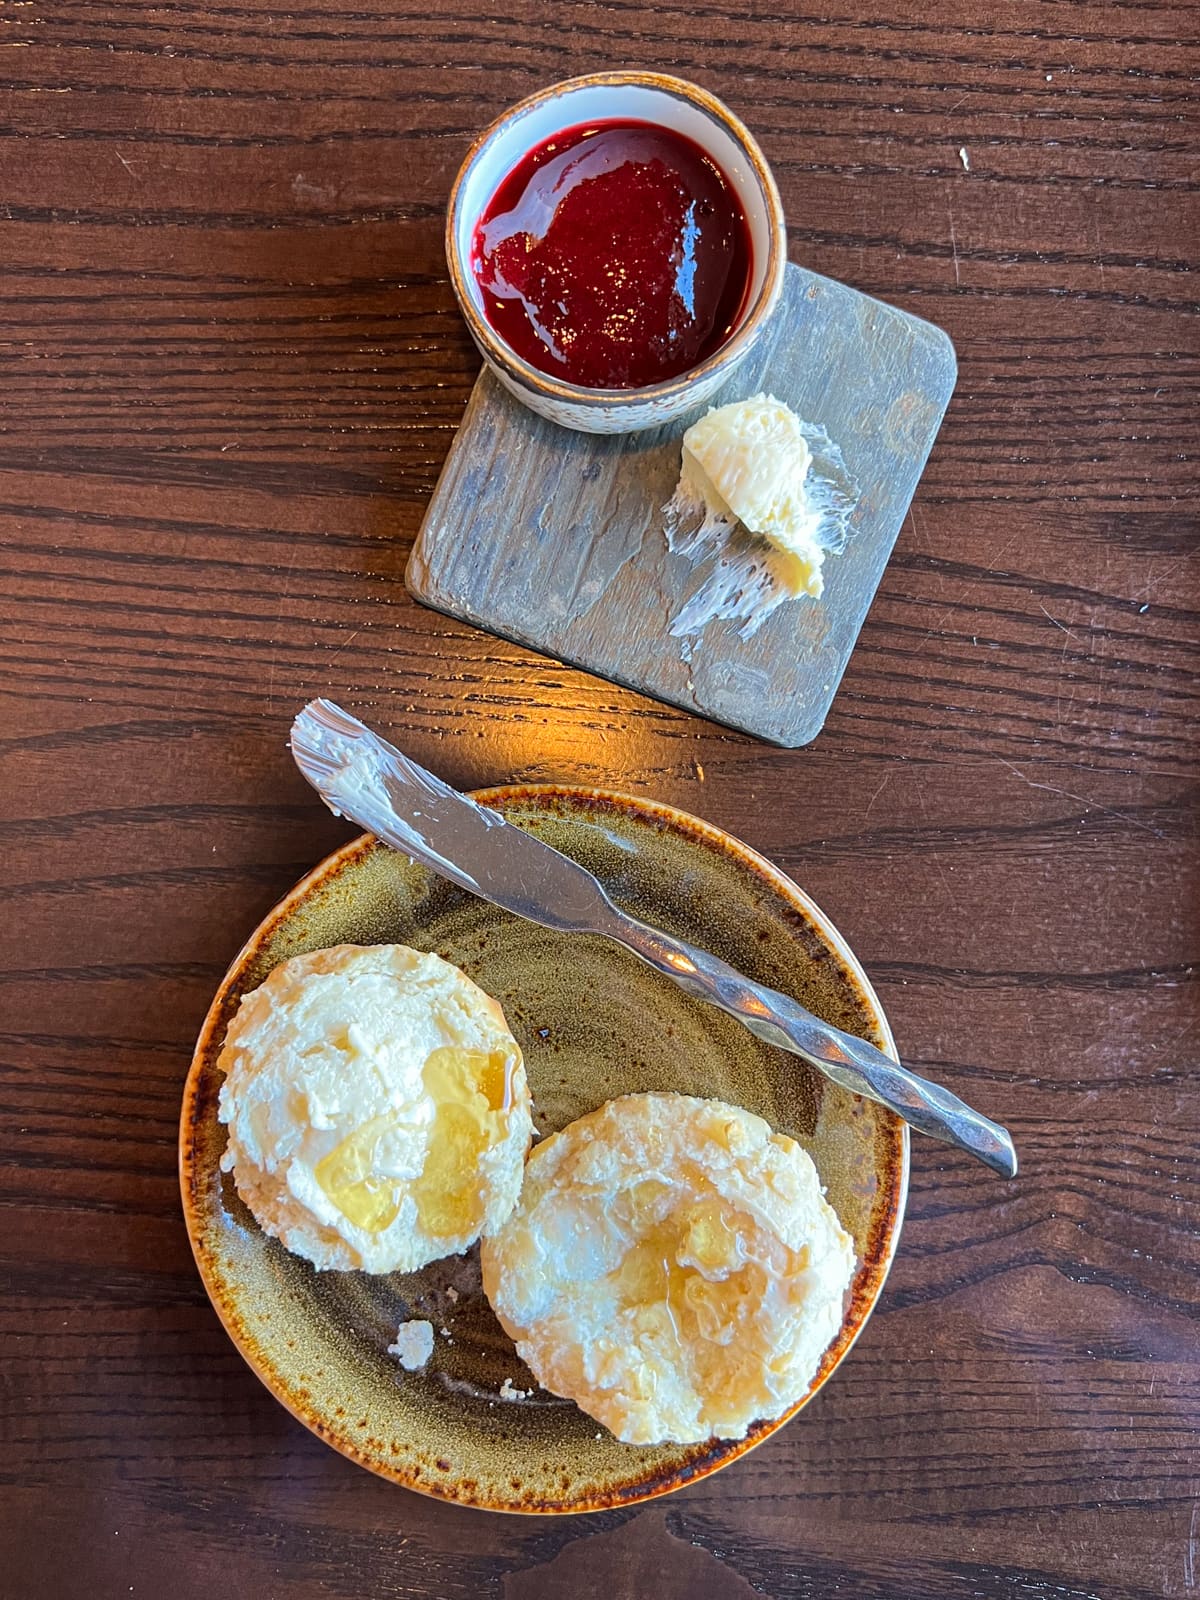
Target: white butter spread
762,498
748,462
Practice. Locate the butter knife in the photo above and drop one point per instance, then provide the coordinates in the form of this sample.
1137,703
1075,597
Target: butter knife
362,777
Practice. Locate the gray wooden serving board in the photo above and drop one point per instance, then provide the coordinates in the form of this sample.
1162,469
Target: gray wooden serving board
555,539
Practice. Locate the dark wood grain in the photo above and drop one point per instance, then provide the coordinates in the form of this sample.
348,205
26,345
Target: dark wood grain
231,369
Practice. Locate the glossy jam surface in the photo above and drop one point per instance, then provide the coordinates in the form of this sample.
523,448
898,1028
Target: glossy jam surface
614,256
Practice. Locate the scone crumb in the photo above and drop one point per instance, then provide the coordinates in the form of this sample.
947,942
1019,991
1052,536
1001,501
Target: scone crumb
414,1344
508,1392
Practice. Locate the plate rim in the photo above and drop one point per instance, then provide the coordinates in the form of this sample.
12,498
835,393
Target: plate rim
865,1299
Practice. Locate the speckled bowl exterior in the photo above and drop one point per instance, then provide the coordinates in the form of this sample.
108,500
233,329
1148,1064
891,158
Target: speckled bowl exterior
645,97
593,1023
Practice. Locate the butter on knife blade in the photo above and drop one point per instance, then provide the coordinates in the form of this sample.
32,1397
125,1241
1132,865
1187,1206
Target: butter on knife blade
349,767
362,777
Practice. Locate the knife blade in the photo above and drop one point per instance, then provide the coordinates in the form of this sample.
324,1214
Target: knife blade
364,778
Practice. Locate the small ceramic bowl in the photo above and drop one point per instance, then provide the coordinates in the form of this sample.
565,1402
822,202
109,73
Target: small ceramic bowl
636,96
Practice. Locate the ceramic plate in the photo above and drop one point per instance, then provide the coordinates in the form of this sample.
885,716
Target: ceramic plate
593,1022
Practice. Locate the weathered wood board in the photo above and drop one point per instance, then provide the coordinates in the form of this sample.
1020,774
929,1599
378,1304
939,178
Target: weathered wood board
555,539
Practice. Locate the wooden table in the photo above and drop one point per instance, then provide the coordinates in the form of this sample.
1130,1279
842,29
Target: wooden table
231,370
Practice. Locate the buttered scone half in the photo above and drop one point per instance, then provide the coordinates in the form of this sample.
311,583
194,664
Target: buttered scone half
377,1106
672,1267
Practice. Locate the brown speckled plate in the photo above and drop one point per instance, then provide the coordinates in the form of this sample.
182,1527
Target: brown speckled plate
594,1022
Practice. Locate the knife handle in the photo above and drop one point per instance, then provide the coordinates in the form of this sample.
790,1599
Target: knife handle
849,1061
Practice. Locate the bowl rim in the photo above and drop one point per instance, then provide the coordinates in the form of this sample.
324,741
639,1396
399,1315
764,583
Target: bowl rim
522,372
865,1289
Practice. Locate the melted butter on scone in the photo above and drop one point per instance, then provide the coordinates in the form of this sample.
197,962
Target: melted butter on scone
672,1267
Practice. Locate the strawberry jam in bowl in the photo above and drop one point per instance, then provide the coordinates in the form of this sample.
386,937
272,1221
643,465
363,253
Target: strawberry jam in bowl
616,245
614,256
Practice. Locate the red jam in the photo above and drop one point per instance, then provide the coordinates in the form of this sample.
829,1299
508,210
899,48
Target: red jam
615,255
